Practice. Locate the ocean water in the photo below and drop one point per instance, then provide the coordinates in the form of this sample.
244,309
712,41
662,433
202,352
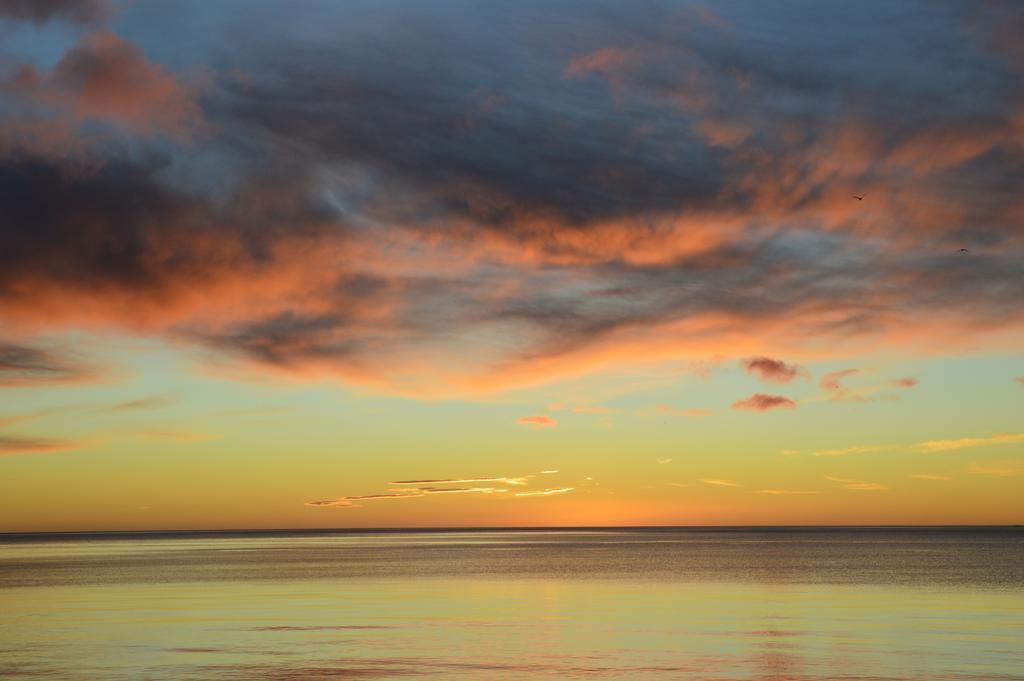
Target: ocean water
865,604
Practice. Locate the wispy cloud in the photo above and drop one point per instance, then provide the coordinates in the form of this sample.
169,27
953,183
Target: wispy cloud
847,451
773,370
1002,469
720,483
662,461
141,404
761,402
669,410
965,442
832,381
549,472
589,409
784,492
537,421
930,476
345,502
905,382
1020,379
461,481
545,492
178,435
859,485
12,445
25,417
24,365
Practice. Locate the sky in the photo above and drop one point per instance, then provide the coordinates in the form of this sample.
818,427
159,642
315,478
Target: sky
397,264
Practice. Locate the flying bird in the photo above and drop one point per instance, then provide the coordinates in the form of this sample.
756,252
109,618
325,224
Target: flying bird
859,198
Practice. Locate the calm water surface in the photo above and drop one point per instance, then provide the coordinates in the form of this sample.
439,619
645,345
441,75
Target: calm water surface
618,604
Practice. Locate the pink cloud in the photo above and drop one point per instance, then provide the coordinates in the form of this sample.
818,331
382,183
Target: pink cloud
772,370
537,421
906,382
762,402
832,380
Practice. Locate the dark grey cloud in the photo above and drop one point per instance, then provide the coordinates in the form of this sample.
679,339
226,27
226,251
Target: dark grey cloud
41,11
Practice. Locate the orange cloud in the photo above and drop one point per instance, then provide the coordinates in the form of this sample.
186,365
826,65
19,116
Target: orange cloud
762,402
610,60
108,79
10,445
537,421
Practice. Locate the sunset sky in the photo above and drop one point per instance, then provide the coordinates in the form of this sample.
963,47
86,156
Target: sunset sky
458,263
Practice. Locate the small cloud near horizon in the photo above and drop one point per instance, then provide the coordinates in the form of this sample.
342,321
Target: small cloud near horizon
546,492
762,402
932,446
930,476
537,421
858,485
1001,469
12,445
720,483
846,451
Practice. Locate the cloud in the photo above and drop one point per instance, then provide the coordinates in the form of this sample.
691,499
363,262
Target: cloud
141,404
1020,379
858,485
537,421
178,435
329,228
720,483
772,370
11,445
662,461
675,411
846,451
592,410
348,501
906,382
25,417
104,78
26,365
460,490
932,446
786,492
545,492
930,476
1006,469
832,380
608,61
548,472
762,402
459,481
41,11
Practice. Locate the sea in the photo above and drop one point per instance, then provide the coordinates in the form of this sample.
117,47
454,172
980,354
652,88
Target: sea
776,604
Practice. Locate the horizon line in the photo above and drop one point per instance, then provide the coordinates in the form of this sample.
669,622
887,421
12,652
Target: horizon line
485,528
